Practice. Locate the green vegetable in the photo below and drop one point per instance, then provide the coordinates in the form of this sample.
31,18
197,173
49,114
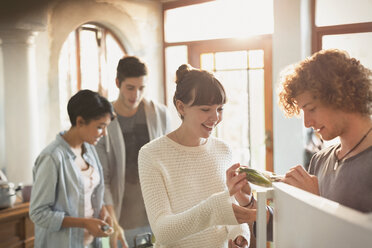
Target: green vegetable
256,177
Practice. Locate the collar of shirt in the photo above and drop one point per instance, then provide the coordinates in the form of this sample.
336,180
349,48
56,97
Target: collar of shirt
87,156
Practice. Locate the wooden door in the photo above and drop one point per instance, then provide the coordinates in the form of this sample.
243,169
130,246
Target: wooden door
244,67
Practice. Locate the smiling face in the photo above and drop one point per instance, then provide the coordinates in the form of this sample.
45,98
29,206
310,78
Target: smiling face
200,120
132,91
93,131
327,121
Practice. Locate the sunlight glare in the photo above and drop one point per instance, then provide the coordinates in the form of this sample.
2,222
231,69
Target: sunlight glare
219,19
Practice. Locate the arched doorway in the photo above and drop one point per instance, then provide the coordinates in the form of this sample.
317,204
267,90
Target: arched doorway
88,60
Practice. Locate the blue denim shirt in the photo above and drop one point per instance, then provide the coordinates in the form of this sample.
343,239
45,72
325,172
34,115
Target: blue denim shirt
58,191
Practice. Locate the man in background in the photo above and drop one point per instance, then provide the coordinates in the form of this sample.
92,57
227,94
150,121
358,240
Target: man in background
138,121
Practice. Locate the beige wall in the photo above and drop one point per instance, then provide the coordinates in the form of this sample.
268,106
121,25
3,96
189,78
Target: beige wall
291,43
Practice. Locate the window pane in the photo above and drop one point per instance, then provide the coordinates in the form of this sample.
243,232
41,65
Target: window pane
335,12
207,61
244,114
257,118
67,77
114,54
89,60
235,125
97,66
358,45
174,57
256,59
231,60
219,19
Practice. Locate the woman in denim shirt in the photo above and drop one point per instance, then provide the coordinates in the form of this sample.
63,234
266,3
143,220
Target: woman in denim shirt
67,195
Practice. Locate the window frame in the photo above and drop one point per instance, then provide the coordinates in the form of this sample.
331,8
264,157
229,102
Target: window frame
194,49
102,49
319,32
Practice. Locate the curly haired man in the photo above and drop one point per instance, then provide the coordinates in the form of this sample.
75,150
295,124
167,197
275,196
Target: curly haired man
334,93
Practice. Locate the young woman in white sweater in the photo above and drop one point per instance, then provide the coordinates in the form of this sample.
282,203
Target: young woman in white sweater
188,200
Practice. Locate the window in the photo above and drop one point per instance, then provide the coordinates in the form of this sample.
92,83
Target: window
242,74
343,25
234,42
219,19
339,27
88,60
335,12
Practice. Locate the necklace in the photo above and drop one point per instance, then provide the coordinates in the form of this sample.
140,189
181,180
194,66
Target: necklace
352,149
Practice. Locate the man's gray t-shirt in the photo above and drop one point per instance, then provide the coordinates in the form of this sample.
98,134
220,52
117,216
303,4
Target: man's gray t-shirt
350,184
135,133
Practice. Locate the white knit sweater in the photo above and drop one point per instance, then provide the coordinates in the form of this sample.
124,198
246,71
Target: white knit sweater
185,194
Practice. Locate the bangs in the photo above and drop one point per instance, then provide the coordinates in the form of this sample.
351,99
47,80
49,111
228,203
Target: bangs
210,92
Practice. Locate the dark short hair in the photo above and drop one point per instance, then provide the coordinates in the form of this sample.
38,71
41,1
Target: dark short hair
130,66
198,86
332,77
89,105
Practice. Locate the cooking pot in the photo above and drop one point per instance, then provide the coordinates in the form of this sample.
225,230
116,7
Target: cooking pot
8,194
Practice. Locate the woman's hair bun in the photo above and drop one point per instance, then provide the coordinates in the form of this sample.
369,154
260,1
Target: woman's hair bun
182,71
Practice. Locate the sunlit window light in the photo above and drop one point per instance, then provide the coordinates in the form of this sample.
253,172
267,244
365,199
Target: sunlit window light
219,19
99,54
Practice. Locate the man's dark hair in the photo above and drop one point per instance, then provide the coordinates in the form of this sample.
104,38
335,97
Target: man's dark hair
89,105
130,66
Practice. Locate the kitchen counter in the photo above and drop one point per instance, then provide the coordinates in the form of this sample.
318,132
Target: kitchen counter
16,228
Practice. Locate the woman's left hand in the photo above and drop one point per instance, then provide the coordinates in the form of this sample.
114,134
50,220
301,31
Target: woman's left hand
238,185
234,180
239,242
244,215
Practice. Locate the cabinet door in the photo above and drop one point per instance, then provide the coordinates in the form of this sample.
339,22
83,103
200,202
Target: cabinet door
16,228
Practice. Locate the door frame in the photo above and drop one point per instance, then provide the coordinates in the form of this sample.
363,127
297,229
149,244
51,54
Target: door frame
263,42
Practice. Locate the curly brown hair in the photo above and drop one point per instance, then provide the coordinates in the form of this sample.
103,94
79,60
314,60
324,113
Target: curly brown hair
331,76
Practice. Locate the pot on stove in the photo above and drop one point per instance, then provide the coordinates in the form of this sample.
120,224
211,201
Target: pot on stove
8,193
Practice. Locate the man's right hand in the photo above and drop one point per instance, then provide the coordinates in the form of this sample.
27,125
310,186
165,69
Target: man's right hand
297,176
118,234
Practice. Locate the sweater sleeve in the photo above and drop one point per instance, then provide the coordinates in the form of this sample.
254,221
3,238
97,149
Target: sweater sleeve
170,227
236,230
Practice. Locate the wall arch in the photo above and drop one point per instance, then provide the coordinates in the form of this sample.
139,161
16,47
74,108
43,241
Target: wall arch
64,18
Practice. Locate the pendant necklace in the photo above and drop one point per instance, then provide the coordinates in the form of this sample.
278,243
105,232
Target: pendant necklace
338,161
